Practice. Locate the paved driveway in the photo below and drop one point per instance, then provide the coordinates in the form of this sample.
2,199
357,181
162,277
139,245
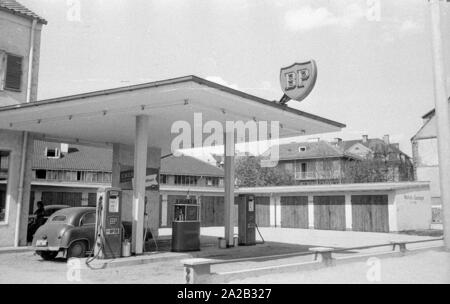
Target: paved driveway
26,267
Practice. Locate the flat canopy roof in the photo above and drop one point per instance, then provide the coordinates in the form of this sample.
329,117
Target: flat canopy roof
362,187
107,116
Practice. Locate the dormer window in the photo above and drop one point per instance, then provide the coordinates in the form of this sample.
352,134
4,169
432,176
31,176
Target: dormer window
301,149
52,153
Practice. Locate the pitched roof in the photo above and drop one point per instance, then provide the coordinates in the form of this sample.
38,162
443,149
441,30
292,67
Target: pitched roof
319,149
85,158
186,165
79,158
16,8
377,145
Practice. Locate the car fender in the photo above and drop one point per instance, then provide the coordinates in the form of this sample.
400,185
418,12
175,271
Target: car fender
73,235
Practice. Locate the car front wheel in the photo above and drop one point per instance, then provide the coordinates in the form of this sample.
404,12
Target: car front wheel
77,250
48,255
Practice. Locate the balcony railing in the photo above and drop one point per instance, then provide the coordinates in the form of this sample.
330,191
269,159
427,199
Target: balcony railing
315,175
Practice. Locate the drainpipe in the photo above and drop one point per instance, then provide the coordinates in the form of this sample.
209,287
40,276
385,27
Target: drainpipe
25,139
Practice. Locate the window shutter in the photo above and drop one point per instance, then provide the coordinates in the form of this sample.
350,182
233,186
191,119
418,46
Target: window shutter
13,72
2,69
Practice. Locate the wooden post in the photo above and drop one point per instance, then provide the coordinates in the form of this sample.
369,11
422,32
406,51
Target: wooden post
442,116
229,187
140,168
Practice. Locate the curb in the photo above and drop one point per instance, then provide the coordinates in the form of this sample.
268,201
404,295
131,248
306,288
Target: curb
133,261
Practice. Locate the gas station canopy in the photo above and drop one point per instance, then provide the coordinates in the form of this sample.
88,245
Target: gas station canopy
108,116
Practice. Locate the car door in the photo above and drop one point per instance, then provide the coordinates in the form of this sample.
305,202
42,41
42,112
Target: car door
87,228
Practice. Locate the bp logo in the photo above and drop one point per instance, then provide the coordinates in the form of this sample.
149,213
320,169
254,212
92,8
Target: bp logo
298,80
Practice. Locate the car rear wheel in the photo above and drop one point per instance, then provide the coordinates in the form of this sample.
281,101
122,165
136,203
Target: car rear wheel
48,255
77,250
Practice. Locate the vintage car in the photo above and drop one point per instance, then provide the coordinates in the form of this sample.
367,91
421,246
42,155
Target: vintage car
33,225
71,231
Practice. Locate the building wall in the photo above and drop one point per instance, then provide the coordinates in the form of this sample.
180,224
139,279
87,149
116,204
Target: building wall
316,169
426,164
12,141
15,32
413,209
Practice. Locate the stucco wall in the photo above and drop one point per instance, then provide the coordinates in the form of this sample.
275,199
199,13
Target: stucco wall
15,34
431,174
413,208
12,141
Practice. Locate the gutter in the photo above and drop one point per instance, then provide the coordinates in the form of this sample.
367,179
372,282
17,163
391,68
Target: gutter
25,139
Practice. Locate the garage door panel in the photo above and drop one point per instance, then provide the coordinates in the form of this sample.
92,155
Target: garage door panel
329,212
294,211
370,213
262,209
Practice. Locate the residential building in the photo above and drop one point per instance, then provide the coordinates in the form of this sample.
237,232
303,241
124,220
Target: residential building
317,162
399,165
20,32
426,162
321,162
71,174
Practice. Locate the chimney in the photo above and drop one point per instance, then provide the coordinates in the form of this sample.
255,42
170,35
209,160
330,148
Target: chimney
386,139
338,140
64,148
365,138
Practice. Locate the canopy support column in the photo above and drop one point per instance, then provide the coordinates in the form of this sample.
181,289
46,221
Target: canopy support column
229,149
140,165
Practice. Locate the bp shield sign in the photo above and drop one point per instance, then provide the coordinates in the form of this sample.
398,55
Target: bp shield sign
298,80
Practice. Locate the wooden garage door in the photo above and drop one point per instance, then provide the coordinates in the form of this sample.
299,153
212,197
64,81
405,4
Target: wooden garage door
262,209
294,211
72,199
370,213
329,212
212,211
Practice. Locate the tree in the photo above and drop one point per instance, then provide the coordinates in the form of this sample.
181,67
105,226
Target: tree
249,173
368,171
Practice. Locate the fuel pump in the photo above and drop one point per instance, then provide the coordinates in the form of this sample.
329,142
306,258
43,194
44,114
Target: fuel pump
108,227
247,220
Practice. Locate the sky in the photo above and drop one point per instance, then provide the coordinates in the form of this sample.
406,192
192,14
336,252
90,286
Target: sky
374,57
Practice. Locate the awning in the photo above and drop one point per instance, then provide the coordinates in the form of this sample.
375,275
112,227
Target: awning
107,116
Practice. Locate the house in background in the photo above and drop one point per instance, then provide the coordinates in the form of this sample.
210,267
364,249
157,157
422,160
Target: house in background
317,162
425,158
400,165
322,162
71,174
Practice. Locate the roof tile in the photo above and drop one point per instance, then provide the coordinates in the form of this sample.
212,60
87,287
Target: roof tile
16,8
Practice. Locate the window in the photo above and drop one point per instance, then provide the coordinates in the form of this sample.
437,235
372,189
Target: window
10,72
41,174
163,179
52,152
59,218
301,149
212,181
88,219
185,180
4,167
